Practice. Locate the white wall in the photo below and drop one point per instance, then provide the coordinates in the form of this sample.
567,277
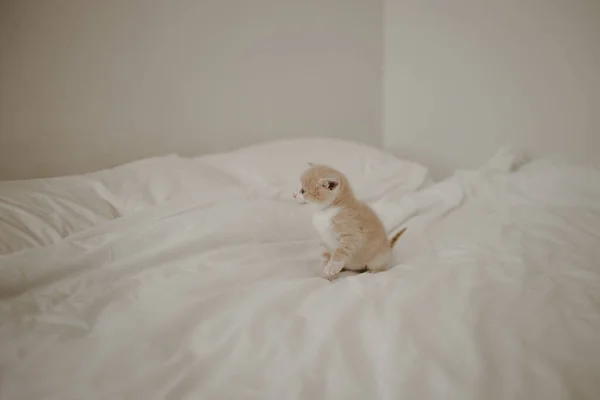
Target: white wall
463,77
87,84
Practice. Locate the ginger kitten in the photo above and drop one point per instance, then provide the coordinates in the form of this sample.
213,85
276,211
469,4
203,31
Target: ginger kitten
352,233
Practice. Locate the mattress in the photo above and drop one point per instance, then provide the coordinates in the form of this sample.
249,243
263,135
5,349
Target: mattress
175,278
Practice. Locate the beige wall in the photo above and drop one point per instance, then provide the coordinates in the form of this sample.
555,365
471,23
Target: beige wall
87,84
463,77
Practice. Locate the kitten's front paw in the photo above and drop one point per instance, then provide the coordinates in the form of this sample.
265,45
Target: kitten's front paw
326,256
332,268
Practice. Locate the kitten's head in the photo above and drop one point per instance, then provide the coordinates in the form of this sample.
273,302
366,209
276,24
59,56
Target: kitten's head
320,185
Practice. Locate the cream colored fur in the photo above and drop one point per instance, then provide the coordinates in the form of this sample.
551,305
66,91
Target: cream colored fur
352,233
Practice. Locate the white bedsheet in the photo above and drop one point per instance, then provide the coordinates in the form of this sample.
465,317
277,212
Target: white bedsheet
495,295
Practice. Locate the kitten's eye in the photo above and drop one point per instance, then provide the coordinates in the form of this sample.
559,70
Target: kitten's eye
302,191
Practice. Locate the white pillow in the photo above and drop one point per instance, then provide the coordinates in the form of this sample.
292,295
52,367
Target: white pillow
145,183
273,169
43,211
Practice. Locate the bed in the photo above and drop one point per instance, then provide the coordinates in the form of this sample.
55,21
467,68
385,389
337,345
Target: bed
199,278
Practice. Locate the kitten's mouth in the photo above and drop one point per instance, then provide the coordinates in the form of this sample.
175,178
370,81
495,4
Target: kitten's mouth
299,199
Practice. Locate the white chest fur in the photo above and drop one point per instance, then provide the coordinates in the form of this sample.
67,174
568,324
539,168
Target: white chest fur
322,221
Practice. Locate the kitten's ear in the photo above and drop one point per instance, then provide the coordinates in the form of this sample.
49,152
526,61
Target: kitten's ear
311,164
330,183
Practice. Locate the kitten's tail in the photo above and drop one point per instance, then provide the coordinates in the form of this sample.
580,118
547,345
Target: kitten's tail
395,238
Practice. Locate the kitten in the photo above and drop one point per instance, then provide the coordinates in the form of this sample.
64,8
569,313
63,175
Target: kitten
352,233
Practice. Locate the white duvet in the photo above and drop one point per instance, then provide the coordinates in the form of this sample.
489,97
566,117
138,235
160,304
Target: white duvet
177,278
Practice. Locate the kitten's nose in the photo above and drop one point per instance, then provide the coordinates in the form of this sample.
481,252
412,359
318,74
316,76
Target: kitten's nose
294,195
